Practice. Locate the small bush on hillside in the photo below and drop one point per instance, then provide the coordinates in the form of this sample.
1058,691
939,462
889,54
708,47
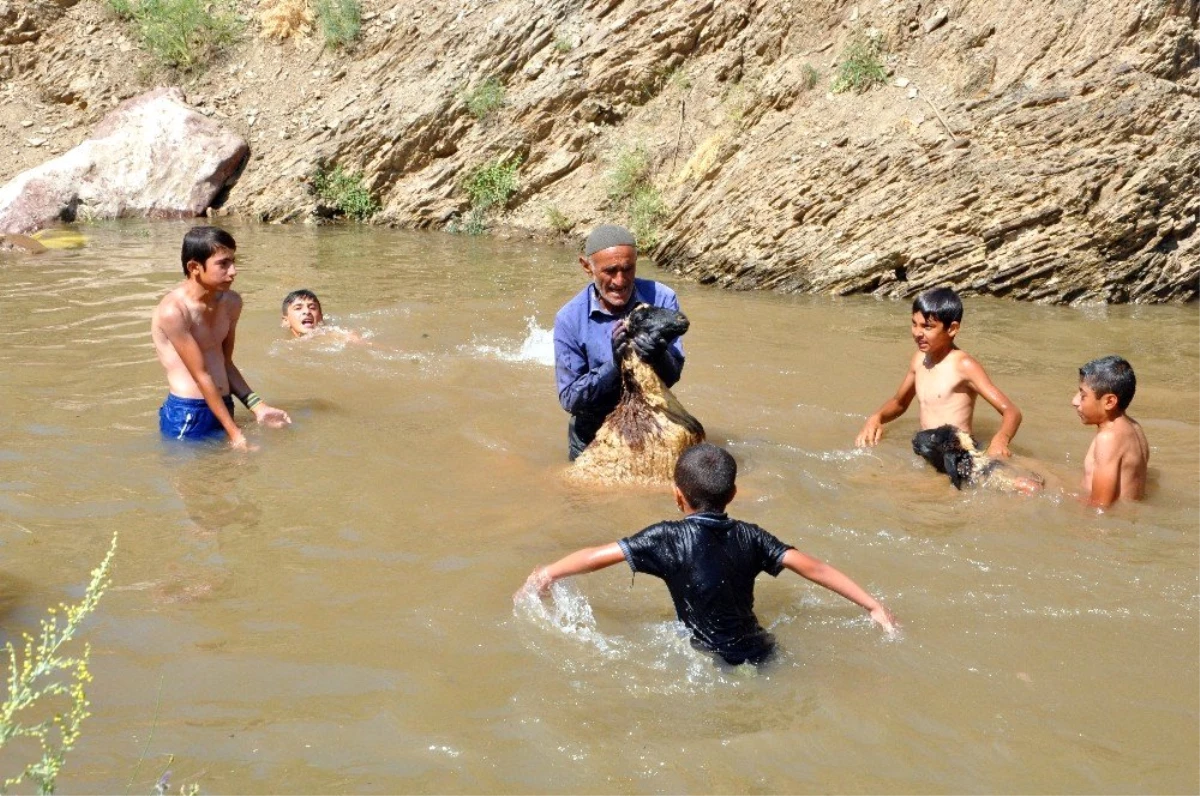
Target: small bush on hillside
564,43
485,98
631,168
340,21
282,19
45,683
861,66
646,211
184,34
631,188
488,187
558,221
344,192
809,76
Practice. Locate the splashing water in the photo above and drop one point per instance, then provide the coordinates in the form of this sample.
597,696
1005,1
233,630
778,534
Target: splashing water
536,347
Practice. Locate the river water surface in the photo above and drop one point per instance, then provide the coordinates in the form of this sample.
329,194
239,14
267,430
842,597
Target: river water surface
334,612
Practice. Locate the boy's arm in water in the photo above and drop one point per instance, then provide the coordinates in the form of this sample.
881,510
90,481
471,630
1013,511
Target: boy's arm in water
589,559
1010,416
895,406
1106,470
824,575
263,413
173,320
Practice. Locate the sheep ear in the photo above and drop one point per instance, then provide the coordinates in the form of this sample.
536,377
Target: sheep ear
956,476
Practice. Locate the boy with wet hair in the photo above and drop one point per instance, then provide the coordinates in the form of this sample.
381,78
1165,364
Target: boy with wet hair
944,379
1116,462
301,312
709,562
193,329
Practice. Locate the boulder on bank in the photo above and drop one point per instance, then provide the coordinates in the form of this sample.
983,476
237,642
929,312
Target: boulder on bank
151,156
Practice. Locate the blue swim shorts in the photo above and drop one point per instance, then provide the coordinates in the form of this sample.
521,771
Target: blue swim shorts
190,418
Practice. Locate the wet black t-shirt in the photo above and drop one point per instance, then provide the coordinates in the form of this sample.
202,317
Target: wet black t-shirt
709,563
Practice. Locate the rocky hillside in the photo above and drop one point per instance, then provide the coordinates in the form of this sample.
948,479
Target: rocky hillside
1045,149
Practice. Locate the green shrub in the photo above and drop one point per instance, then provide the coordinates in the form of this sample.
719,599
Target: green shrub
340,21
631,168
344,192
488,187
564,43
558,220
493,183
41,676
861,66
122,8
646,211
809,76
631,188
485,98
184,34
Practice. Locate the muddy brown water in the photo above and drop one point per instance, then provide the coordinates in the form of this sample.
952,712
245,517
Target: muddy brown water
333,613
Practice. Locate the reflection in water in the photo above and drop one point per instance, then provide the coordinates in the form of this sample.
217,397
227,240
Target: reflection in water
333,612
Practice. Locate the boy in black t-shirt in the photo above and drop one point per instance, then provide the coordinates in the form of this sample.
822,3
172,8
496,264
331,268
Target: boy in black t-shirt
709,562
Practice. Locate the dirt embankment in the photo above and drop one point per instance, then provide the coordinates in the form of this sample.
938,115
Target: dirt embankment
1045,150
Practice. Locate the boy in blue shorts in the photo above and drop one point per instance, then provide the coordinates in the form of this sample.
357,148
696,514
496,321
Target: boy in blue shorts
193,330
709,562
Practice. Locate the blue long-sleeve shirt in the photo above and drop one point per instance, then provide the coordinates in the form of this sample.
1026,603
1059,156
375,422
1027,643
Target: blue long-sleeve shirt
589,383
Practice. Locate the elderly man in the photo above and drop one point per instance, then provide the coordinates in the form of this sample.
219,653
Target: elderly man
589,333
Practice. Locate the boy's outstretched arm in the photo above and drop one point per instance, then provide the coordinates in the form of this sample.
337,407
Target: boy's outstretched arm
589,559
897,405
824,575
1010,416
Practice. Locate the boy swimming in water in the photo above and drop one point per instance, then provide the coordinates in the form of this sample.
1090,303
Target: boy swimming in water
301,312
944,378
193,329
1116,462
709,562
302,316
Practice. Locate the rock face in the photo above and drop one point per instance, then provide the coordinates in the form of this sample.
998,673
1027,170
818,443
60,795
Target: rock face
1043,150
151,156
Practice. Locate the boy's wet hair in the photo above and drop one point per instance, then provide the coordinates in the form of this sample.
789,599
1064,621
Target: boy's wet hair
706,475
200,243
302,293
1111,374
941,304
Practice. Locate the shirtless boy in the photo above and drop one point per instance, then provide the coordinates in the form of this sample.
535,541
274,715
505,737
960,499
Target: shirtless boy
1115,466
193,329
944,378
301,312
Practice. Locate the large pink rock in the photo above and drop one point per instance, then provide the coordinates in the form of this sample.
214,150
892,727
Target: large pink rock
152,156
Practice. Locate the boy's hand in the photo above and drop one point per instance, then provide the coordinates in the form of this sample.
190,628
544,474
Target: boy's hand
872,430
883,617
538,583
270,416
998,447
239,443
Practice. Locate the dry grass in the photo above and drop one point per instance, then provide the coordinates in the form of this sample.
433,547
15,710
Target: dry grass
282,19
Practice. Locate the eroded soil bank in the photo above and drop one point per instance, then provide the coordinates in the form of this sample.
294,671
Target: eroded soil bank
1043,150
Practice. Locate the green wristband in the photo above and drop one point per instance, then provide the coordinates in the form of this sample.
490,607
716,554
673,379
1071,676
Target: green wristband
252,400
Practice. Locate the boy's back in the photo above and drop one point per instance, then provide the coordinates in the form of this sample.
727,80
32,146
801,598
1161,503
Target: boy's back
709,563
1124,441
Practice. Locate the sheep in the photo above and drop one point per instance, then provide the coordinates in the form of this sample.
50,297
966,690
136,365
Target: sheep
642,438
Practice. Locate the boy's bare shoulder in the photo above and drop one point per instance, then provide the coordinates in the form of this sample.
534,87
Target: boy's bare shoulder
1127,431
172,305
231,300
